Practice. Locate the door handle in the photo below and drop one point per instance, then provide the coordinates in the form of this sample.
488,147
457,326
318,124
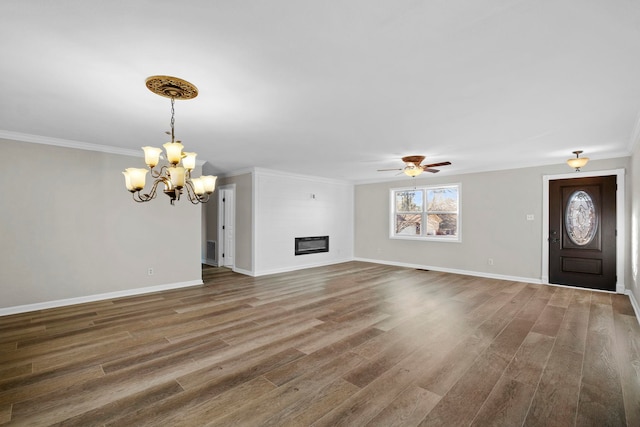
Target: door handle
555,240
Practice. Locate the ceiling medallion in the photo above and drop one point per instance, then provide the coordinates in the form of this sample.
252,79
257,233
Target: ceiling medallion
171,87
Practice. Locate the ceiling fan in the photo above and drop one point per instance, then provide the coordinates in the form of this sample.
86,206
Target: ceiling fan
413,167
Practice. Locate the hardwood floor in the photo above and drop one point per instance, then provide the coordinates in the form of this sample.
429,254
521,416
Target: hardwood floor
345,345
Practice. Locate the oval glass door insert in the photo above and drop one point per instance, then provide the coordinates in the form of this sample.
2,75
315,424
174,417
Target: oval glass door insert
581,218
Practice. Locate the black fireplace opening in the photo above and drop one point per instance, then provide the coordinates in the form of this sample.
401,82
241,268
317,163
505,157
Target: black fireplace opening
311,245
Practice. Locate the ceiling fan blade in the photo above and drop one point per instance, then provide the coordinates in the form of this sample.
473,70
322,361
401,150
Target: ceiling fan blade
436,164
385,170
431,170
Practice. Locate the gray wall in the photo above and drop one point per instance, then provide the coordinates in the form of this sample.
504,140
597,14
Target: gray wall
494,208
71,230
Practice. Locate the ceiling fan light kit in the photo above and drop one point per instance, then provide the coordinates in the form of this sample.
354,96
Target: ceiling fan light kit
412,170
577,162
176,176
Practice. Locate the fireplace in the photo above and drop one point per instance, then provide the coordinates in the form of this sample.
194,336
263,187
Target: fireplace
311,245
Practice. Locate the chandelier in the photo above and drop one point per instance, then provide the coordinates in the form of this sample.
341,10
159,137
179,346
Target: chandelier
176,175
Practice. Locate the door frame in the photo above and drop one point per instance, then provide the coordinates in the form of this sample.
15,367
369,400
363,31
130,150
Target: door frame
221,235
621,241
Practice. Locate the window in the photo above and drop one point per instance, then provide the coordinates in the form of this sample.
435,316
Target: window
426,213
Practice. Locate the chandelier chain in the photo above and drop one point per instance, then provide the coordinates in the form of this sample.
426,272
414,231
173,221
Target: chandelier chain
173,111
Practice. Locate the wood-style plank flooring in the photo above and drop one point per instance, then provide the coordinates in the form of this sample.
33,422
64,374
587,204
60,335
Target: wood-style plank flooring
346,345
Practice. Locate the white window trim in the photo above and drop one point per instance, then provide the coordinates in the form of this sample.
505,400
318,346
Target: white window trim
392,222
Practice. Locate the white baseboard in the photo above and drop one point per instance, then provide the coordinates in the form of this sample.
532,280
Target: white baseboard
243,271
634,304
454,270
291,268
97,297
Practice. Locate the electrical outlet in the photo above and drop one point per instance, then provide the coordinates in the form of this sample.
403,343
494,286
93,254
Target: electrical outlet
490,261
150,271
530,217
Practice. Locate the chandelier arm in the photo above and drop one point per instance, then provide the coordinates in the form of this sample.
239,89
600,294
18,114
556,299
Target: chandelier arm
159,174
154,191
140,198
191,193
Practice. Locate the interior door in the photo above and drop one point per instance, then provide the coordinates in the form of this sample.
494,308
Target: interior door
227,228
582,232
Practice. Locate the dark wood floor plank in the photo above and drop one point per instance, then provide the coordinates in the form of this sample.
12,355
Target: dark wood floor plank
462,402
315,407
507,404
116,409
408,409
347,344
96,353
451,368
622,305
549,321
555,401
231,359
367,403
562,297
460,405
5,413
289,400
628,357
529,361
15,371
171,408
320,357
49,386
601,401
213,408
572,335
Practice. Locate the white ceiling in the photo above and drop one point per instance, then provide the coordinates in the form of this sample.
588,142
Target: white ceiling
330,88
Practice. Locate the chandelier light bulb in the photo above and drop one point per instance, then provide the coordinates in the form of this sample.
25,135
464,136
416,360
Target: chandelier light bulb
189,161
151,156
174,152
135,178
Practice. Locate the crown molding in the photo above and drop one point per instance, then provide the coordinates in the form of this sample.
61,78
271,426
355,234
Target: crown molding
258,171
66,143
45,140
634,144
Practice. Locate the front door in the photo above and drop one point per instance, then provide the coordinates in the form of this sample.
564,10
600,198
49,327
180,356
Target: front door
582,232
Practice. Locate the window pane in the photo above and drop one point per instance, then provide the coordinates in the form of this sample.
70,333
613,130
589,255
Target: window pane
408,224
581,218
442,225
409,201
442,199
